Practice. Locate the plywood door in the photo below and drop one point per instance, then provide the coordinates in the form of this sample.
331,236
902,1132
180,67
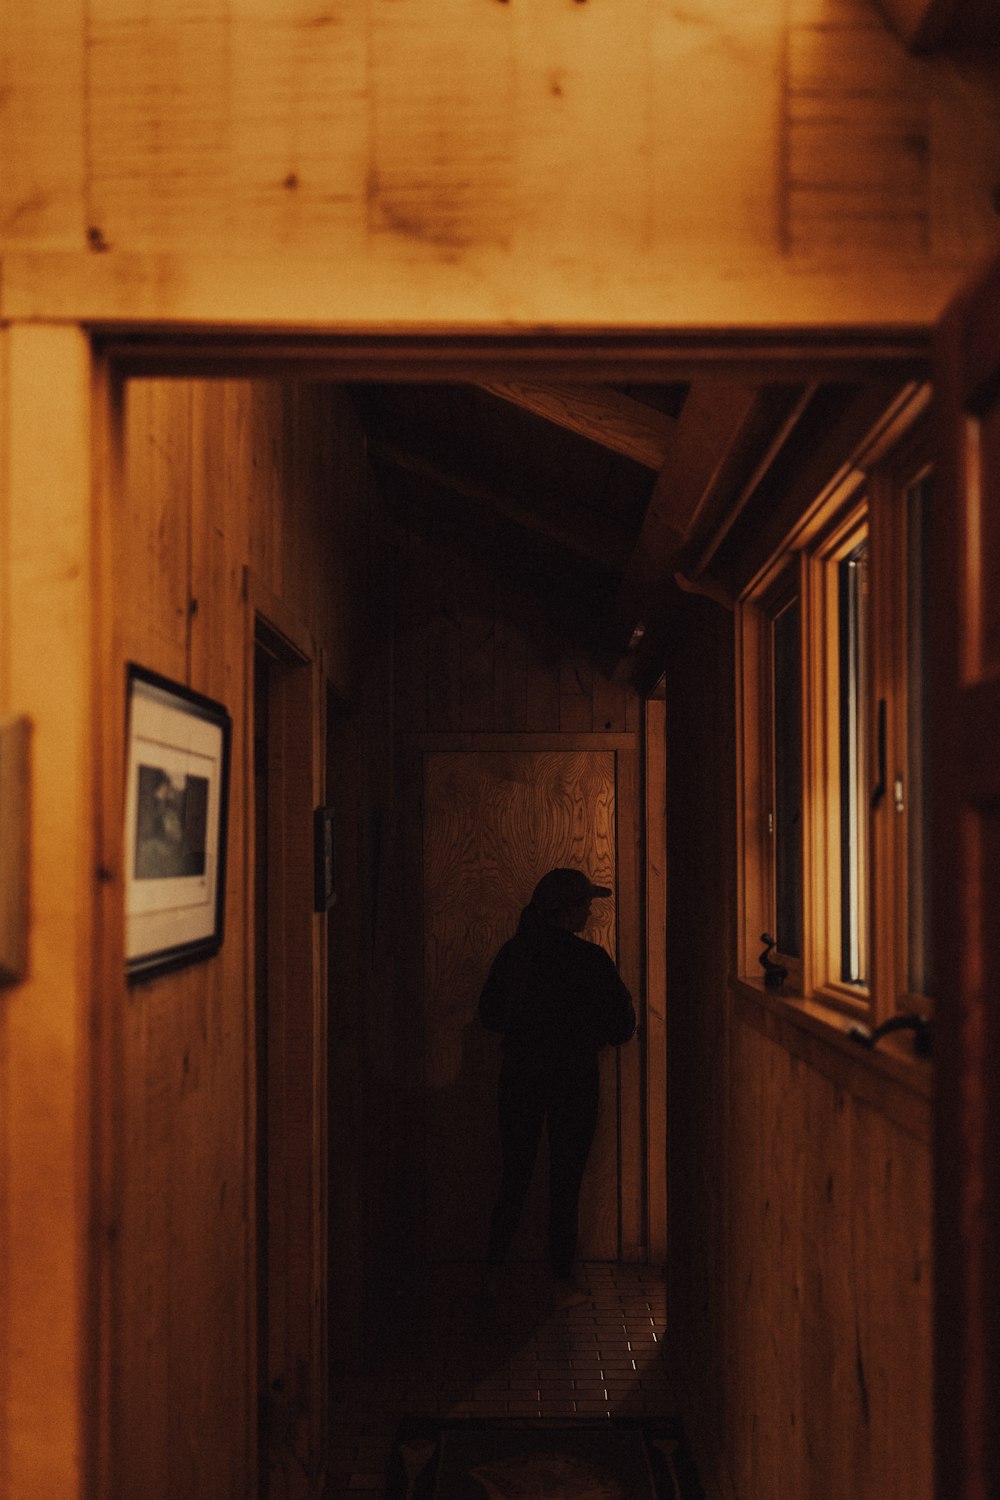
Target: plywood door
493,824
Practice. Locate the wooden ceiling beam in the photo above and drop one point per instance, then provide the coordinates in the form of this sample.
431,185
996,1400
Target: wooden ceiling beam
596,412
593,540
715,417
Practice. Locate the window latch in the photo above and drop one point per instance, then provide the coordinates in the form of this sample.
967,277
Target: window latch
919,1025
878,790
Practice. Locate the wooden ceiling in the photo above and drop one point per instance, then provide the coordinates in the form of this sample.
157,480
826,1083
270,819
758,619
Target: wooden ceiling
614,500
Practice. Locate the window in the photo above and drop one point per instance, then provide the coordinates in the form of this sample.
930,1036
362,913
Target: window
911,797
773,645
786,799
833,658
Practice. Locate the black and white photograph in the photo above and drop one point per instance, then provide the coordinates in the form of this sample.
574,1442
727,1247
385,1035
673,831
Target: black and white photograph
175,824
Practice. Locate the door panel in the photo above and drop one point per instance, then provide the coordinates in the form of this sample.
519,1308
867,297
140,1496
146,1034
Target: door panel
493,824
966,875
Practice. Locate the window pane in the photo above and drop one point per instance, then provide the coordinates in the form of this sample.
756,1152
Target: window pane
786,656
855,791
917,666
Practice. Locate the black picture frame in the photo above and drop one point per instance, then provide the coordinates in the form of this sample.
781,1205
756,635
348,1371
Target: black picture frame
324,859
178,746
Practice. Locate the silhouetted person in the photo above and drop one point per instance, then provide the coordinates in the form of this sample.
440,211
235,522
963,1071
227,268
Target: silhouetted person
557,999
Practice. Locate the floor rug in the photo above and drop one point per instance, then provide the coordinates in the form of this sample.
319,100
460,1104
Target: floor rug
541,1459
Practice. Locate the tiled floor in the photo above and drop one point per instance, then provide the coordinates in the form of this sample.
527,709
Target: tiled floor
446,1354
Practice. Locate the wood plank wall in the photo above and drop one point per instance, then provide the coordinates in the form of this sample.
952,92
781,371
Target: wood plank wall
800,1179
219,478
488,164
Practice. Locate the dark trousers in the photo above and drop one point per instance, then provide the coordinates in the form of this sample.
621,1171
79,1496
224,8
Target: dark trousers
563,1096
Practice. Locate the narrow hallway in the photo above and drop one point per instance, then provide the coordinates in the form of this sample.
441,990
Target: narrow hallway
446,1354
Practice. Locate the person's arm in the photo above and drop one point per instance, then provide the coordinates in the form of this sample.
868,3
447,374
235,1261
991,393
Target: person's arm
495,999
619,1012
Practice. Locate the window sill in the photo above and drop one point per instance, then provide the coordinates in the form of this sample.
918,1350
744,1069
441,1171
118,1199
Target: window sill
890,1077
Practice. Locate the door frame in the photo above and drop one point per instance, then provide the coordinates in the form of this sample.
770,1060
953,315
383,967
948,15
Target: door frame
854,353
295,1204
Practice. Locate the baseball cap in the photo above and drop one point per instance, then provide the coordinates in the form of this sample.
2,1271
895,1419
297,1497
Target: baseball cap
563,887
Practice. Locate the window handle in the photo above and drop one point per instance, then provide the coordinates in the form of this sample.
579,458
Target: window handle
919,1025
878,790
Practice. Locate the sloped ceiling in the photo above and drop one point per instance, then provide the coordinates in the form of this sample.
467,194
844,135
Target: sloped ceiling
614,499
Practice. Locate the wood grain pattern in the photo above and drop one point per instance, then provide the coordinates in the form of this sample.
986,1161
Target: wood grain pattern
830,1224
857,133
48,668
495,170
220,478
599,413
493,824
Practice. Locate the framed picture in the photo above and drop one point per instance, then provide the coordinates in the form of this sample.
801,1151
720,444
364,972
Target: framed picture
176,800
325,858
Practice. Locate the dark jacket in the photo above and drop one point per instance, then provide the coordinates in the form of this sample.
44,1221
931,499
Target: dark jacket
553,994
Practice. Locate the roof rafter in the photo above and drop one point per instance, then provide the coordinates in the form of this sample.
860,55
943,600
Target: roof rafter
715,417
605,416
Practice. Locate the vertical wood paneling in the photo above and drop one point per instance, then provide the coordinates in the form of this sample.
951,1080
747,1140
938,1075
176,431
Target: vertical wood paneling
576,694
412,636
220,477
444,646
474,598
831,1308
155,544
610,695
510,647
542,670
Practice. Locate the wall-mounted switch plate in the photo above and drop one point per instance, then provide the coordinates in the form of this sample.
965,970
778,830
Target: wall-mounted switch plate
14,811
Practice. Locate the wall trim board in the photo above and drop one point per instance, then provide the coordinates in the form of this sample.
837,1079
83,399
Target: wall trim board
278,620
895,1087
655,350
112,288
520,740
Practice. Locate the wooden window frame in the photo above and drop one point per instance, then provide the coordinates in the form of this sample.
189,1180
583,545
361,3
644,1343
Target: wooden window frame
891,486
870,498
847,527
778,587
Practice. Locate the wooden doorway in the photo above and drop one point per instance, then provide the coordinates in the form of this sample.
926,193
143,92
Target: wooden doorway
290,1074
760,363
